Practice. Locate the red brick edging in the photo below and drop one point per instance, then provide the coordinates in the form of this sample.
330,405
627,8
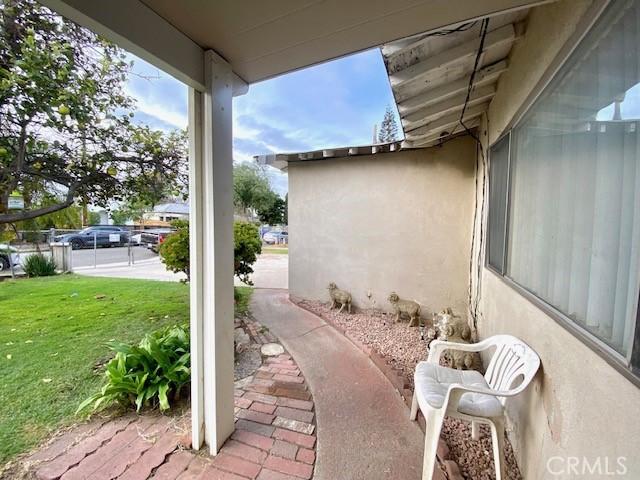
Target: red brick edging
399,381
275,420
274,437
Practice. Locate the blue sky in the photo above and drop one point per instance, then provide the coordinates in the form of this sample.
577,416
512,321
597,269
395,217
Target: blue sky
329,105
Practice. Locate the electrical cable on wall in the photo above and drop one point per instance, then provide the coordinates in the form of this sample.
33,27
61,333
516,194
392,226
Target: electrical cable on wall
474,299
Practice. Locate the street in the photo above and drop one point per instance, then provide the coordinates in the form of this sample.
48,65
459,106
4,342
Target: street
107,256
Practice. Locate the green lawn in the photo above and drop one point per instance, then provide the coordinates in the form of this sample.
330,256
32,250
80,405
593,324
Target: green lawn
243,296
277,250
52,335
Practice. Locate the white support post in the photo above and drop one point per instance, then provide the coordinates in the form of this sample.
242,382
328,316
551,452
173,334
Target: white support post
211,266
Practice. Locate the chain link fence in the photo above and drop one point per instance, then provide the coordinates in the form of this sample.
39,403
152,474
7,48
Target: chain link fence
96,246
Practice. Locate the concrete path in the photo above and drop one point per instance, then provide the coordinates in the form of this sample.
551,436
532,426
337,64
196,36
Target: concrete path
271,270
363,426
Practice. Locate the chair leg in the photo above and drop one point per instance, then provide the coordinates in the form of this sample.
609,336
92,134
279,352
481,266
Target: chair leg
497,441
414,407
434,420
475,430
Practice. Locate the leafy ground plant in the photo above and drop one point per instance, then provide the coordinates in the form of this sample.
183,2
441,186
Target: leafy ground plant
37,265
148,374
53,335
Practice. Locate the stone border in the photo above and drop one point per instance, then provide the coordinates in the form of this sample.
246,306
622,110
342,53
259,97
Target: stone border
400,383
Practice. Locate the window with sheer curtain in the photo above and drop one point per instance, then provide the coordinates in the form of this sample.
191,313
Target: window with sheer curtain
572,237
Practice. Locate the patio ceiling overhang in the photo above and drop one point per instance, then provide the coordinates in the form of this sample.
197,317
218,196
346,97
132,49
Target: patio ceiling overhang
430,76
261,40
281,160
218,48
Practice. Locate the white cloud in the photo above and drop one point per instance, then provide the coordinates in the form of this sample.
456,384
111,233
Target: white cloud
149,107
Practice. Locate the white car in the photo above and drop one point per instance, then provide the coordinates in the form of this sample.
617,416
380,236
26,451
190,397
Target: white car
273,237
136,239
8,254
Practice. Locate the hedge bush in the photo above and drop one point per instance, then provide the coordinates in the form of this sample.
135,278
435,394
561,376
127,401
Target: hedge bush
174,251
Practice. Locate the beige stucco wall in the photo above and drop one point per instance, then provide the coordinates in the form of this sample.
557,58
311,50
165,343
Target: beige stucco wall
378,223
578,405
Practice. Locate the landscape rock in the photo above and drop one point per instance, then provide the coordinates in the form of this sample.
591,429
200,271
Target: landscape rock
271,349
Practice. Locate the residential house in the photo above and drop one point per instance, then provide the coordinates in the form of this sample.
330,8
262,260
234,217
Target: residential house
527,217
164,213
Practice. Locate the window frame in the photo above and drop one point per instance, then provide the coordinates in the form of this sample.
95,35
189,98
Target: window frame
628,365
505,232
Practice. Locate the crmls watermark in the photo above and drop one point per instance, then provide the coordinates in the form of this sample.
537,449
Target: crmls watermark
584,467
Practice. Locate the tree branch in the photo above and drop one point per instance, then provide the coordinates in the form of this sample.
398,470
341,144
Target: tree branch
29,214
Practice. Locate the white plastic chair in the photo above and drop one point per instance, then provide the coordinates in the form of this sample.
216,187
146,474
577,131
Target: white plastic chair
467,395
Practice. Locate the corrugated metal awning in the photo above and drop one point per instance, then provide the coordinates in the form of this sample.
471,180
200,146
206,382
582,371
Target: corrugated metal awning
430,76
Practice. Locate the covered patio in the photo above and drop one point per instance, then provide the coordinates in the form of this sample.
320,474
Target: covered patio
525,81
218,50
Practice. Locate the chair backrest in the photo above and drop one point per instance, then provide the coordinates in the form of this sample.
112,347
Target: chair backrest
512,359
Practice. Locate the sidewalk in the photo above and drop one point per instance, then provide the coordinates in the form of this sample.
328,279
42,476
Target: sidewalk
150,269
363,427
270,271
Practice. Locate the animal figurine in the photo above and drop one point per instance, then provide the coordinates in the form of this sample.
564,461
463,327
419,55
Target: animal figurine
452,329
405,307
339,297
446,324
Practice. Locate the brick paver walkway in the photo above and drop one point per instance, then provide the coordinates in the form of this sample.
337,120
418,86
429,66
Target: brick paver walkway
274,437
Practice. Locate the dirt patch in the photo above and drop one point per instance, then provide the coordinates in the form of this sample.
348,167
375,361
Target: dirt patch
247,362
404,347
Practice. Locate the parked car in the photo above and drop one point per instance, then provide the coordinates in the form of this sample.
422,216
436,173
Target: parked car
273,237
8,255
105,236
152,239
136,238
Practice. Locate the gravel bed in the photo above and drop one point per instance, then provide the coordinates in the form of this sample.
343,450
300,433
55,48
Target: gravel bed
247,362
396,341
404,348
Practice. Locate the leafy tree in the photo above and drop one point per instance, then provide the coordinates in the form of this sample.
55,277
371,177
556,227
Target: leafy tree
70,217
131,210
119,216
388,128
272,209
250,187
94,218
174,251
65,120
285,216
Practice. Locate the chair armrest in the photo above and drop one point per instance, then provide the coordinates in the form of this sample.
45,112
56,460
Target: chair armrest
436,347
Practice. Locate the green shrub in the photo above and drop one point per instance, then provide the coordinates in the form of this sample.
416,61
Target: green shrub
37,265
174,251
247,245
149,374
